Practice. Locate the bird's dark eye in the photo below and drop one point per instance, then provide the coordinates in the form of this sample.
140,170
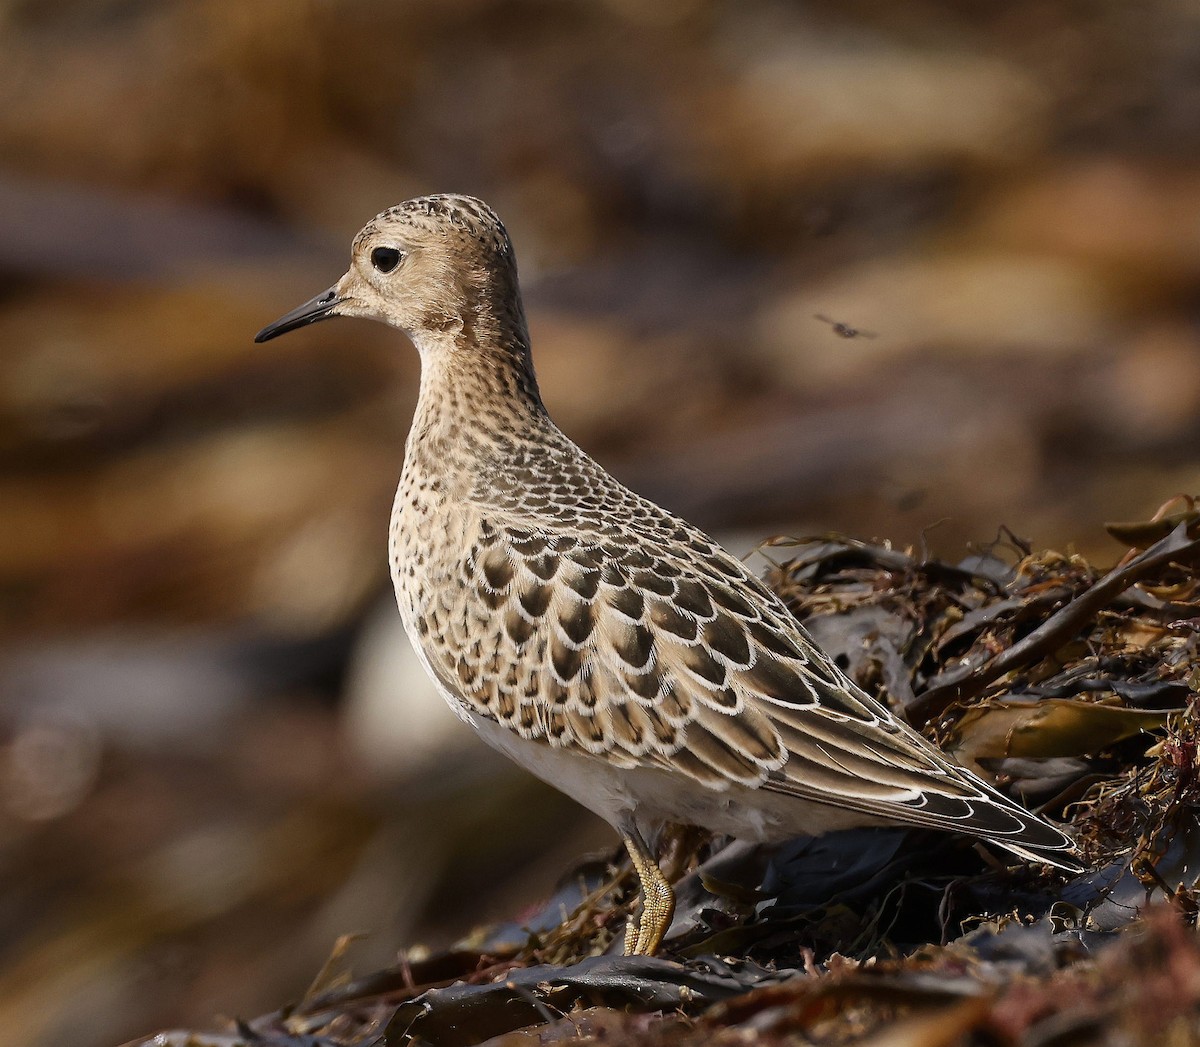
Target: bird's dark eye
385,259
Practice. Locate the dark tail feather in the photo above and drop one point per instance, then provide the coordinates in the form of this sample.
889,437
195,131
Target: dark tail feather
1060,853
1036,840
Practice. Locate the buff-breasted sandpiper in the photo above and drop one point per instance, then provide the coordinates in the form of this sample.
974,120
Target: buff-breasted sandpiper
611,648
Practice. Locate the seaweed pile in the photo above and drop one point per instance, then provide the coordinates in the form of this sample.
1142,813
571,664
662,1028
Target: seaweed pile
1073,687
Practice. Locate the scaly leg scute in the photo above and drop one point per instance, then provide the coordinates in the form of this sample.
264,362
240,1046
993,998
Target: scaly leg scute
658,900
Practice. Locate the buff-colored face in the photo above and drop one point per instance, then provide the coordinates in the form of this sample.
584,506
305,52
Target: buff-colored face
428,266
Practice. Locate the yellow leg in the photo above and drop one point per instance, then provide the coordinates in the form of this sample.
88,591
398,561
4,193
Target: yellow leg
658,900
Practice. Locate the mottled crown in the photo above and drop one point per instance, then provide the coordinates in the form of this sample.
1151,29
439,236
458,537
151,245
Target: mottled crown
445,213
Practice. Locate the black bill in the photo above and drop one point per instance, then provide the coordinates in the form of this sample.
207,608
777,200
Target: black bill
319,308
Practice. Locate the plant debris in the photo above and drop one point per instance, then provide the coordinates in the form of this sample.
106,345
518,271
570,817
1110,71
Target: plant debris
1073,687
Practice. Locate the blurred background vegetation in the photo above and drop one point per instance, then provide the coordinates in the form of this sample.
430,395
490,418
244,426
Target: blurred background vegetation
215,753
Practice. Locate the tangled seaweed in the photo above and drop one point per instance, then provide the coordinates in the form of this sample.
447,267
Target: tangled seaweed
1072,687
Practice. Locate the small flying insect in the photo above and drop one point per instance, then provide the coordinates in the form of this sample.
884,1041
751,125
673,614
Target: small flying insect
843,330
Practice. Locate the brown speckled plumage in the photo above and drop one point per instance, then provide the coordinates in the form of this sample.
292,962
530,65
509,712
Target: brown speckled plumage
607,645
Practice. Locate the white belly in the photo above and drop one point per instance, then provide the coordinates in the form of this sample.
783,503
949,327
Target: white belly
652,798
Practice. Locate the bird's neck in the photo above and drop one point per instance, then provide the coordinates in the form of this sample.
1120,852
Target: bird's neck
478,386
